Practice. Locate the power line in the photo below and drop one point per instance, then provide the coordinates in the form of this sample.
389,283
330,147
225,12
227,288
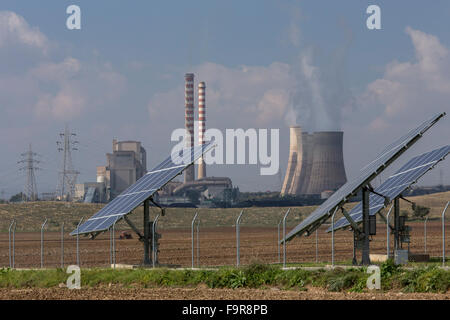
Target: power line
29,165
68,175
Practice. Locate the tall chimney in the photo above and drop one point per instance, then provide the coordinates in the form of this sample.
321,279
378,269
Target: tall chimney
189,174
201,126
327,171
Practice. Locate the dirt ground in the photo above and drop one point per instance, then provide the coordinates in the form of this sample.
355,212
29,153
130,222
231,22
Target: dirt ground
203,293
217,246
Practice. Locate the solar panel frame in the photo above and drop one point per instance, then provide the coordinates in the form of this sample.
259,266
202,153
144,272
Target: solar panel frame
368,173
396,184
142,190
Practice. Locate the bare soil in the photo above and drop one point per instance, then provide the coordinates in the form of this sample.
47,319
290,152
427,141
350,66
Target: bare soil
203,293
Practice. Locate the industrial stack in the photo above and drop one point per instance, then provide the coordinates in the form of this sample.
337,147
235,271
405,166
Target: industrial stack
315,163
189,174
201,126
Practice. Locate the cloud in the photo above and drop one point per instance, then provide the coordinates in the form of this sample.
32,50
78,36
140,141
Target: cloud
245,96
15,30
413,89
50,88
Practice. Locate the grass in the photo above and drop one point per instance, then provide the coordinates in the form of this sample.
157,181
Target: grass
430,279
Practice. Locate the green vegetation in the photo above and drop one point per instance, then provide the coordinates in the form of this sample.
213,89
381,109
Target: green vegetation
431,279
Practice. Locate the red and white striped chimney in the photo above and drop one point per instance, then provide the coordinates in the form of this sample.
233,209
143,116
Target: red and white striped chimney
201,126
189,174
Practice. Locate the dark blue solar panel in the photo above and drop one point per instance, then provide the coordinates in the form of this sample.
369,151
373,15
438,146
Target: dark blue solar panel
407,175
143,189
367,174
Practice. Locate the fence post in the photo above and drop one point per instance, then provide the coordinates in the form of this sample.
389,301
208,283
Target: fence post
388,233
42,242
62,245
317,246
284,237
114,243
443,234
155,254
278,242
425,233
332,237
78,245
238,239
192,239
198,244
12,252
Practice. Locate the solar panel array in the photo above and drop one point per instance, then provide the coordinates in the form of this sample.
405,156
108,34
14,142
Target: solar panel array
142,190
396,184
387,156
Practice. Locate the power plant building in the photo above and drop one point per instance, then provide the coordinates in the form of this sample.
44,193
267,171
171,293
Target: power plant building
315,163
125,165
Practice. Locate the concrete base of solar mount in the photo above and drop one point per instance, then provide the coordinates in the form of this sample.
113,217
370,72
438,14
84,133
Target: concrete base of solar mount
123,266
378,257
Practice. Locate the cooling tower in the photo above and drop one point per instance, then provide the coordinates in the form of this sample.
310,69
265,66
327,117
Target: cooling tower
327,170
189,173
307,159
294,134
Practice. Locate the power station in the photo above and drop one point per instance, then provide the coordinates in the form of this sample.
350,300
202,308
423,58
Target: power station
315,163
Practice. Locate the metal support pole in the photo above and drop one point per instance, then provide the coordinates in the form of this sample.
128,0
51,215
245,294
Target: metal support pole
146,232
192,239
155,249
278,242
238,239
425,233
78,242
62,245
284,237
388,233
443,234
396,224
198,243
42,242
12,252
332,237
366,228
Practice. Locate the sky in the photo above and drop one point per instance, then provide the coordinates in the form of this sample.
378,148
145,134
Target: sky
266,64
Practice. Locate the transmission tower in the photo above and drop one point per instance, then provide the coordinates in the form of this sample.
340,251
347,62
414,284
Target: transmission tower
29,165
68,175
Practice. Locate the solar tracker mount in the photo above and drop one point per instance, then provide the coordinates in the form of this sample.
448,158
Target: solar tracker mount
362,183
142,192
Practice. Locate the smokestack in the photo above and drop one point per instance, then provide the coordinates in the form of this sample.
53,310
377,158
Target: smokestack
201,126
293,160
189,174
327,170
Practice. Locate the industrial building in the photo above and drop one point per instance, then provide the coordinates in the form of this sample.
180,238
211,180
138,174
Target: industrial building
315,164
90,192
124,166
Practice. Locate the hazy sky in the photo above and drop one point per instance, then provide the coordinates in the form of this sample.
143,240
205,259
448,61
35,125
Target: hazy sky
267,64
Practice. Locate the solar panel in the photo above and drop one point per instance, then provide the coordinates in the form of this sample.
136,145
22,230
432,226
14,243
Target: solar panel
407,175
142,190
370,171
